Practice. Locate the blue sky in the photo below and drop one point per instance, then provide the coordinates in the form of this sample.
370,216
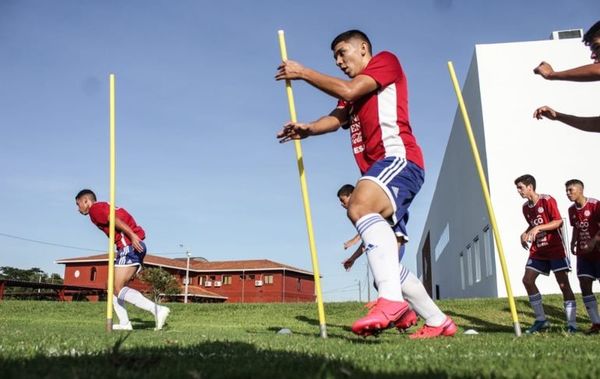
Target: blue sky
197,113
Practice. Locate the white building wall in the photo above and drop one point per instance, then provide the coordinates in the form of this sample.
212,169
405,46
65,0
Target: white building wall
501,93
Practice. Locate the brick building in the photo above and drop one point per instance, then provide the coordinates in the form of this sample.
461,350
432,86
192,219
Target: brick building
247,281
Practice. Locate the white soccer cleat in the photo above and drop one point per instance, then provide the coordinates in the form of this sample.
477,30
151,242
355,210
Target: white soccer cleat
122,327
161,317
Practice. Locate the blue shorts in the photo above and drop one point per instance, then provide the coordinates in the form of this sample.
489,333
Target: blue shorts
588,268
128,256
544,267
401,180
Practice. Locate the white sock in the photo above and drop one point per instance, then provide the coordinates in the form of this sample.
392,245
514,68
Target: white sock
382,251
570,312
538,308
592,308
121,312
136,298
414,292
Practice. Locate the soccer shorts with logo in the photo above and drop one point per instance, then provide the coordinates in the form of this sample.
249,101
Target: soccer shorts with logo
128,256
401,180
544,267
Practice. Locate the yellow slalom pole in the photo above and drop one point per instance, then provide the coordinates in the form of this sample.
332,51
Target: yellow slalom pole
111,228
307,214
486,195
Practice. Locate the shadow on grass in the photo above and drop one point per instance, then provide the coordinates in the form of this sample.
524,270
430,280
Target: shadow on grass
139,323
203,360
482,325
556,315
315,322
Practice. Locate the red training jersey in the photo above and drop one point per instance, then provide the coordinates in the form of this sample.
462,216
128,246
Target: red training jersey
548,244
99,214
585,222
379,125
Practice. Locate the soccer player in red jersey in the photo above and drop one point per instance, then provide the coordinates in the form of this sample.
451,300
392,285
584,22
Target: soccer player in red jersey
587,73
373,105
584,216
544,241
129,257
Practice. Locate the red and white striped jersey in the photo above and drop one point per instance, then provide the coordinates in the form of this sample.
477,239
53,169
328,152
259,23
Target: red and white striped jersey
379,124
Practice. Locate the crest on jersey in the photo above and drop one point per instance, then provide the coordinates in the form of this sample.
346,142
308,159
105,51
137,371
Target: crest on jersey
540,210
586,213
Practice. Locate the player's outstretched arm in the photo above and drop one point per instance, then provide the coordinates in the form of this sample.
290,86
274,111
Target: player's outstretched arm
326,124
587,124
352,241
586,73
347,90
348,263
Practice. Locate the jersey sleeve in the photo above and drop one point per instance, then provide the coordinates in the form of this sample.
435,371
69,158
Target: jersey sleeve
99,213
553,209
384,68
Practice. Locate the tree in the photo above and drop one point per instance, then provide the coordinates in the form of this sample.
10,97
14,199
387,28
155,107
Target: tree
161,282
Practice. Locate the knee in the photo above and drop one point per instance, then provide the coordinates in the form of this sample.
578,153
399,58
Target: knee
528,282
356,211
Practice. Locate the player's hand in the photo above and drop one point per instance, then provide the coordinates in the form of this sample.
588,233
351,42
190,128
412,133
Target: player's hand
348,244
545,111
532,234
293,131
573,248
136,243
348,263
544,70
524,242
289,70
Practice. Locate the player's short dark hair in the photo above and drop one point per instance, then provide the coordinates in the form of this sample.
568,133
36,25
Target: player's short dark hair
592,33
86,192
345,190
526,179
573,182
348,35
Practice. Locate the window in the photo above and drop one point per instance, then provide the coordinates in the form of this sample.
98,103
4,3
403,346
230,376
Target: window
488,251
462,271
477,259
268,279
93,274
226,279
201,280
298,285
469,264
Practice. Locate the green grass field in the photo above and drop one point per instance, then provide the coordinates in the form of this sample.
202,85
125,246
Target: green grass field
67,340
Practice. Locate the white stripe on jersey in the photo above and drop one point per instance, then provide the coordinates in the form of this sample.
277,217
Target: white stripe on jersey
387,107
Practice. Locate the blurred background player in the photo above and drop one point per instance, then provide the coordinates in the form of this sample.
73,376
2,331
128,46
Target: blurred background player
586,73
128,259
584,216
544,241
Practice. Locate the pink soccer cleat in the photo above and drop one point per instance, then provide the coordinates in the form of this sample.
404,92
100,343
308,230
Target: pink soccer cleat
407,320
382,315
447,329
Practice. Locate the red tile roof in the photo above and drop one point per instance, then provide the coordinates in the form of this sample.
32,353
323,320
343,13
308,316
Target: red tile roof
199,266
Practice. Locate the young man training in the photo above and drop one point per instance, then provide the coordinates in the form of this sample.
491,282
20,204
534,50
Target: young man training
584,216
587,73
373,105
544,241
129,257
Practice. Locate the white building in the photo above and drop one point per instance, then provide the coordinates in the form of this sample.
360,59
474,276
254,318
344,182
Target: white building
457,256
